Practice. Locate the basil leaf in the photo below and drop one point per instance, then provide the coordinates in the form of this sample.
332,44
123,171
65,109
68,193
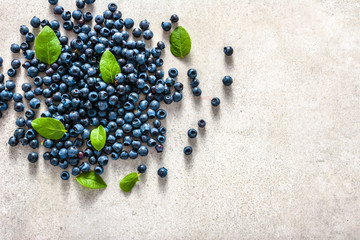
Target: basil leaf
50,128
109,67
128,182
98,137
91,180
47,46
180,42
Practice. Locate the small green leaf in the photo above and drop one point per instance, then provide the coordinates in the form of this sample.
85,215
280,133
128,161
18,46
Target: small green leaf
98,137
49,128
47,46
180,42
109,67
128,182
91,180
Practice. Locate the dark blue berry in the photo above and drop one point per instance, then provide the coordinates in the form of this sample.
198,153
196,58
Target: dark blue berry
192,73
215,102
227,80
33,157
201,123
166,26
228,50
174,18
162,172
65,175
192,133
188,150
141,168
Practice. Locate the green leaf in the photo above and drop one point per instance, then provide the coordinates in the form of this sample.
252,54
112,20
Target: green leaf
91,180
128,182
47,46
49,128
109,67
180,42
98,137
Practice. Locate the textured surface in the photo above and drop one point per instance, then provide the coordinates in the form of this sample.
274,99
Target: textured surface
278,159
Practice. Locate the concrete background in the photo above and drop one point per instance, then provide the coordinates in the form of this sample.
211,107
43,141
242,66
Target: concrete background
279,159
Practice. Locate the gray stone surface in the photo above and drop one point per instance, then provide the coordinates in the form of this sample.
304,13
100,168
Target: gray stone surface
279,159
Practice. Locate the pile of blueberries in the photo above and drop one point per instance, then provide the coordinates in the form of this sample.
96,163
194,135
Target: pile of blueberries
75,94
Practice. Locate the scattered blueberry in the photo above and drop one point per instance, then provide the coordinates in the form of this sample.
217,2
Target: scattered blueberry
227,80
188,150
202,123
228,50
162,172
192,133
215,102
174,18
141,168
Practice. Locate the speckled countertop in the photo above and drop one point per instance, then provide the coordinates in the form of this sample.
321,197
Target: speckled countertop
278,160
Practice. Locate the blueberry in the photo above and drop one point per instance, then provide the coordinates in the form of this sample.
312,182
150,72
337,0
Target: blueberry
133,154
174,18
194,83
34,143
192,73
84,167
57,10
13,141
20,122
19,133
35,103
136,32
112,7
141,168
129,23
15,48
65,175
10,85
29,37
124,155
19,107
143,151
103,160
26,87
64,164
98,170
80,4
23,30
54,161
215,102
227,80
75,171
196,91
173,72
159,148
148,34
178,86
192,133
166,26
162,172
188,150
33,157
11,72
228,50
201,123
35,22
177,96
53,2
73,151
15,63
46,156
48,143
